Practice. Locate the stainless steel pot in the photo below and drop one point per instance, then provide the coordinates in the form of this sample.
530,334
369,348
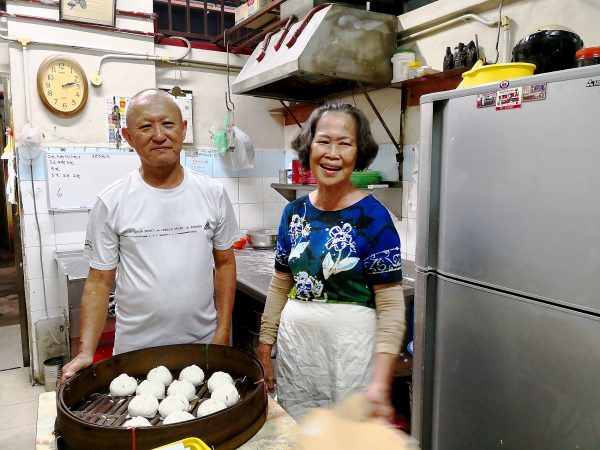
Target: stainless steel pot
262,238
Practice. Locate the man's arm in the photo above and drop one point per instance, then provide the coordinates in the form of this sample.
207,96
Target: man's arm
94,306
225,284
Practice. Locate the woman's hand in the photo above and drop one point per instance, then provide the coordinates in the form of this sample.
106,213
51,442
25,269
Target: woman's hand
380,401
81,361
264,356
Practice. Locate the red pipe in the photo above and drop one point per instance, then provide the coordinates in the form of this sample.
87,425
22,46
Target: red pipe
201,46
286,29
309,16
263,51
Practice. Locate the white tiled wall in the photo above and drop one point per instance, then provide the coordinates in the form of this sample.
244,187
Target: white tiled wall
386,164
255,203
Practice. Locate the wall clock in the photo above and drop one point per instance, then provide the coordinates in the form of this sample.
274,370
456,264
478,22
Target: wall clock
62,85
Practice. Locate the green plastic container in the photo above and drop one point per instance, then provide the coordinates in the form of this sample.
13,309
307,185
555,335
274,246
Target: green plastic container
365,178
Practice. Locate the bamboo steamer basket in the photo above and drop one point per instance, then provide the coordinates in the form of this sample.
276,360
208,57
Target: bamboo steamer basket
226,429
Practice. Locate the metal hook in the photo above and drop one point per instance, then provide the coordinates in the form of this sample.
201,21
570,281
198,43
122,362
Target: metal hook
228,100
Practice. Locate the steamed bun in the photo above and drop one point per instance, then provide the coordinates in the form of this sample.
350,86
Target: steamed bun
122,385
217,379
144,405
136,422
152,387
182,387
172,403
193,374
227,393
178,416
210,406
162,374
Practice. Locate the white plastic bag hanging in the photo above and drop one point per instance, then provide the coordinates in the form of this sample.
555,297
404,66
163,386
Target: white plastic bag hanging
240,154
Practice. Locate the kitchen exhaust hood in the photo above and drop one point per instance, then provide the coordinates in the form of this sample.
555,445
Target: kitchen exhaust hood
327,53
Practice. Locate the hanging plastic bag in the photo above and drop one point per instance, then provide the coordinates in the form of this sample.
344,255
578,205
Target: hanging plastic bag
240,152
219,137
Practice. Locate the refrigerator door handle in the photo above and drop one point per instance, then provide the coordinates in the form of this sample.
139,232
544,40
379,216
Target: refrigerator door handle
424,187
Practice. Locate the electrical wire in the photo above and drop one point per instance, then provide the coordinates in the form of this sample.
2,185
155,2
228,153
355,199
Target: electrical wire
37,222
499,26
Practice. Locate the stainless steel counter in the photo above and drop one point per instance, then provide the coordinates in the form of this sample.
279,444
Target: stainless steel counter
255,267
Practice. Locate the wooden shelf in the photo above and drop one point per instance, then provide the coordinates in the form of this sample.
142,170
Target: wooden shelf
403,366
301,111
436,82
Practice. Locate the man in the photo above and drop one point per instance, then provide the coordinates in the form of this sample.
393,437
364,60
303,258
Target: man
161,227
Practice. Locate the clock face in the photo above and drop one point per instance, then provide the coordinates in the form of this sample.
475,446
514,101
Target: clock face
62,85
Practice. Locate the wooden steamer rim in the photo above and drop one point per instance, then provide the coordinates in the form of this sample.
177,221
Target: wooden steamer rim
227,429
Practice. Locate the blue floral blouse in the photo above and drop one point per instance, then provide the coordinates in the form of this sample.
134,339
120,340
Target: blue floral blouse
337,256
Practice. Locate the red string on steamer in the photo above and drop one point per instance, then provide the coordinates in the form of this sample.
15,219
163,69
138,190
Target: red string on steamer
262,380
133,443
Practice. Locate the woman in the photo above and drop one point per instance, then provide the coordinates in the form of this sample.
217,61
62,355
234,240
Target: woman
335,304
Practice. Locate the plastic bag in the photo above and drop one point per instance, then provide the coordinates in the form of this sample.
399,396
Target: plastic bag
220,138
239,155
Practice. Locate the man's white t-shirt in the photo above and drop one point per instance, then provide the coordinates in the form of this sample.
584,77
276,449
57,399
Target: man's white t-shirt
161,241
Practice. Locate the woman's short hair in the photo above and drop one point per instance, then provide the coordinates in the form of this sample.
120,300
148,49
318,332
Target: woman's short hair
366,146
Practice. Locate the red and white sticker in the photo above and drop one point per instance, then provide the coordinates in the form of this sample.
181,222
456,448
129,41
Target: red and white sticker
534,92
509,98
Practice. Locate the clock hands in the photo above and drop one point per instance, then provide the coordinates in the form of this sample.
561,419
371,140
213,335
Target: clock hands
69,84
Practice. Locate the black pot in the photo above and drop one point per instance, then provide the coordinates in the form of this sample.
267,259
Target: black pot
549,50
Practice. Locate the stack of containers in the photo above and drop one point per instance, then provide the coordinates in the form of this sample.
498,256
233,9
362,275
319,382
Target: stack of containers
400,64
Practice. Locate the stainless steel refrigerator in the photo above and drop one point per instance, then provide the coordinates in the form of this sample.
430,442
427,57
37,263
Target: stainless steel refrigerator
507,305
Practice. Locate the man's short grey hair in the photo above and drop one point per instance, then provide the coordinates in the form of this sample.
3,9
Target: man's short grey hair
144,96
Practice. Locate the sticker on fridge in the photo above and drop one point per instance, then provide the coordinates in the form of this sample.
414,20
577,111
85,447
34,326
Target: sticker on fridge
509,98
486,99
534,92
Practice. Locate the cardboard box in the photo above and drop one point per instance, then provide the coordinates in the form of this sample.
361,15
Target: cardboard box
241,13
255,5
250,8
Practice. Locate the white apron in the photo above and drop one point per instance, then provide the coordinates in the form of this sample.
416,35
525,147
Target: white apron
324,353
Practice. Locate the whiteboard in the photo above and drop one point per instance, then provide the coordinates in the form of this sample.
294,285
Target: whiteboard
76,179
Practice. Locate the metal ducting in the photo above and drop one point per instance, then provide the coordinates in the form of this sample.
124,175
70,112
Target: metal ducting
325,54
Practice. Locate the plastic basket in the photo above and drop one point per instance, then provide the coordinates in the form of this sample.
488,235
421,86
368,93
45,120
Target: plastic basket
365,178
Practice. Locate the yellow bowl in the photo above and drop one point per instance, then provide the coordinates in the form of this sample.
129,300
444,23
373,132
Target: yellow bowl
480,74
191,443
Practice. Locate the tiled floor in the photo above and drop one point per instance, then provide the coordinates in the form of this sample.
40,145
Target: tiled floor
18,408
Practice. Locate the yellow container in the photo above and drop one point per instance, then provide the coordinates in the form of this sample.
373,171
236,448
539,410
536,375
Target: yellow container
192,443
481,74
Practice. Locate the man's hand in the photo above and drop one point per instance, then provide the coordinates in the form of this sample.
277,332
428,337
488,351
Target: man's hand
264,356
81,361
221,337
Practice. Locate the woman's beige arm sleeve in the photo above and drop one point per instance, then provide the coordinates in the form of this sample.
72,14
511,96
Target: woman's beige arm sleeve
391,323
277,296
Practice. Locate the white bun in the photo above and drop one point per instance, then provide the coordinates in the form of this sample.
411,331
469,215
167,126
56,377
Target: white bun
182,387
227,393
152,387
162,374
136,422
178,416
144,405
193,374
210,406
122,385
217,379
173,403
